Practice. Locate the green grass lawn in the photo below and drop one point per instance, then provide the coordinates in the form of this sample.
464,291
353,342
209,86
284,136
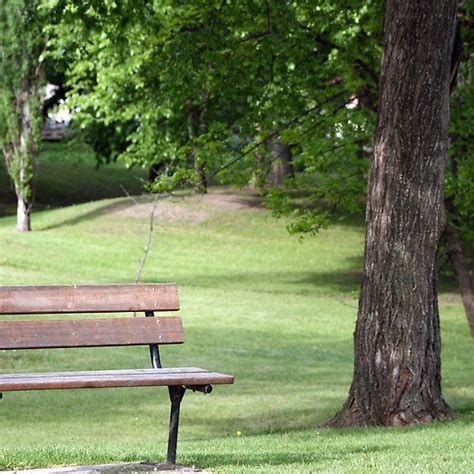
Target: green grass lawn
275,312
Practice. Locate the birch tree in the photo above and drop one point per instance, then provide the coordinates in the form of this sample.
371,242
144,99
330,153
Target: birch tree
21,46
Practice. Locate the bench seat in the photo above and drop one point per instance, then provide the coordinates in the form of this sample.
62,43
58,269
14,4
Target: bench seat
189,376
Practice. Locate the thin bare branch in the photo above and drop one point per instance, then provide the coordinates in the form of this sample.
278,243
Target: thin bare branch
149,240
132,198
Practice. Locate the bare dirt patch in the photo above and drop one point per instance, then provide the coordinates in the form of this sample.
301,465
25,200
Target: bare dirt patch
194,208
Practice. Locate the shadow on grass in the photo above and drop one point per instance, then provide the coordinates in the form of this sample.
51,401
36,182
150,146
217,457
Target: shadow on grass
126,203
61,184
289,457
89,215
467,407
344,280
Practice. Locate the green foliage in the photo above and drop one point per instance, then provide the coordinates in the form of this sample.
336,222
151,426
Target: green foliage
198,87
335,165
191,81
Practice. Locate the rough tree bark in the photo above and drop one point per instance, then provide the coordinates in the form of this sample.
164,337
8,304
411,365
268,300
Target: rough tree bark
397,377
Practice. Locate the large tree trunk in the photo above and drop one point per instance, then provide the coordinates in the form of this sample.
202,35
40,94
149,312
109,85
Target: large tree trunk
397,377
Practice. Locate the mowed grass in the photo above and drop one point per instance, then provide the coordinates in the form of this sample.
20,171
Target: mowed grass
275,312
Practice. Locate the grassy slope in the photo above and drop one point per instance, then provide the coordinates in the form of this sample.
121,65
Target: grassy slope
67,174
256,303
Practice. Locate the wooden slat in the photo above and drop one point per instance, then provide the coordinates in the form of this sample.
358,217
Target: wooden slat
112,378
88,298
45,334
92,373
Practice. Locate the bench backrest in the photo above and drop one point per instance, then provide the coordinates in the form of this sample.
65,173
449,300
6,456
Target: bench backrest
88,298
43,334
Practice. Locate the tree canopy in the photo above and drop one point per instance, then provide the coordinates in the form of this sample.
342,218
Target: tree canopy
198,87
192,88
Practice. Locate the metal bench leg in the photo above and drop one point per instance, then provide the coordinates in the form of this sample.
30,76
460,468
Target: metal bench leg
176,395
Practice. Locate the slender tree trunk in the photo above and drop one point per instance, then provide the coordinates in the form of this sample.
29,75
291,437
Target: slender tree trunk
196,121
155,170
463,274
397,364
21,77
460,265
23,212
202,129
281,166
26,151
23,193
260,171
19,158
453,240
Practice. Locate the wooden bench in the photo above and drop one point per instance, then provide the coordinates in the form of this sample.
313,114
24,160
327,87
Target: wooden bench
130,331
